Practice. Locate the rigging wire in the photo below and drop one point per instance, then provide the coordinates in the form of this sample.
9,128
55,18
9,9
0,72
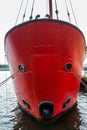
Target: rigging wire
25,11
46,6
56,9
73,12
67,11
32,10
19,12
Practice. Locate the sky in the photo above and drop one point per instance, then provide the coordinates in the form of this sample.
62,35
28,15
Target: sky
9,11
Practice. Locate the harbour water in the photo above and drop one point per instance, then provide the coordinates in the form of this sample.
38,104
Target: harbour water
12,118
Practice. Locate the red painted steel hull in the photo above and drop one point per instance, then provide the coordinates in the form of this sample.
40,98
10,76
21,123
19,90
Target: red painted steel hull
44,47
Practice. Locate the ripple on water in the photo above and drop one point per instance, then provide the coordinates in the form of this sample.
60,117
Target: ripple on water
12,118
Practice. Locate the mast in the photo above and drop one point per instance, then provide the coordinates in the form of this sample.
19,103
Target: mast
50,9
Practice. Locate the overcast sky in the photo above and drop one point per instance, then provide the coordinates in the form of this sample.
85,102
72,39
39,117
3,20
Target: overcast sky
9,11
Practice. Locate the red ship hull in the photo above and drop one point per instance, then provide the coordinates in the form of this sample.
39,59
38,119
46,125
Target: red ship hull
44,48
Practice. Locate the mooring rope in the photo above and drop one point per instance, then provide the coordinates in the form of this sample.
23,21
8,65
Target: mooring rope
11,76
81,81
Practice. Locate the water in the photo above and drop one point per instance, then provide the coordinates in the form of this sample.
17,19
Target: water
12,118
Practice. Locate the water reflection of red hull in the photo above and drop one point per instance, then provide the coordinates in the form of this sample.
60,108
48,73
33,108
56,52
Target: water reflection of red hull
45,51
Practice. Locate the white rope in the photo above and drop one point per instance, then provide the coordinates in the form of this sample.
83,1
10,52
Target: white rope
5,81
83,83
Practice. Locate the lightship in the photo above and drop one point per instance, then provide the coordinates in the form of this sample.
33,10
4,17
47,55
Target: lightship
49,55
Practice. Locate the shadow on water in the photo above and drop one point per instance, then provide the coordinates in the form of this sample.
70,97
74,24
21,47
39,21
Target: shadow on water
70,121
